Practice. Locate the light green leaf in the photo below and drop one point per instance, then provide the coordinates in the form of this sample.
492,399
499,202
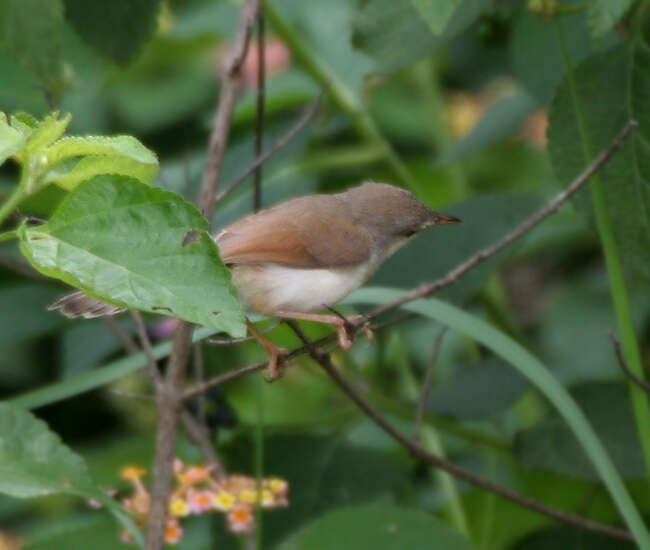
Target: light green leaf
377,527
46,132
604,14
437,13
528,365
122,155
11,140
33,460
626,178
138,247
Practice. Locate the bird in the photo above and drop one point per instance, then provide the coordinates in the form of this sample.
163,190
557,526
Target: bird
304,255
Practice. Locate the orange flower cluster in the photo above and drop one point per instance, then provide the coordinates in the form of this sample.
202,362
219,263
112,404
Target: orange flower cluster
198,492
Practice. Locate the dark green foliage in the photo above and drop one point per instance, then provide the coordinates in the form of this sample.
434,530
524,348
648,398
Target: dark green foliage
117,30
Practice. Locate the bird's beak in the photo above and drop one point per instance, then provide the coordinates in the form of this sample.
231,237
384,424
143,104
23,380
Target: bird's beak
442,219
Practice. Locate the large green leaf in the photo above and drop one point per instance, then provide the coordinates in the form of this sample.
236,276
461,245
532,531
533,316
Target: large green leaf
536,55
528,365
378,527
550,446
138,247
394,33
437,13
30,32
33,460
115,29
626,178
604,14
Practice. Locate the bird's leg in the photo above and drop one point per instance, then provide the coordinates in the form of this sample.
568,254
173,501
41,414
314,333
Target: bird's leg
273,369
339,321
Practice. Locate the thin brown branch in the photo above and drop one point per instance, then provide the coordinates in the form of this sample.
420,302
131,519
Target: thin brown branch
428,380
282,142
417,451
145,343
259,123
199,434
523,228
120,334
169,398
223,117
624,366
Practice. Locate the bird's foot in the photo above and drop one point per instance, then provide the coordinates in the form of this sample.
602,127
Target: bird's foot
347,326
276,354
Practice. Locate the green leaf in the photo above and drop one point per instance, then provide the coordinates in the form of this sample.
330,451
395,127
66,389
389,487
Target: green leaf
626,178
138,247
478,391
528,365
46,132
33,460
11,140
30,32
376,527
550,445
604,14
395,35
437,13
122,155
115,29
535,53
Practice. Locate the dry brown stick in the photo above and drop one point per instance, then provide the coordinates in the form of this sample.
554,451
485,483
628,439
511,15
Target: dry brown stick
428,380
519,231
259,123
169,399
282,142
120,334
145,344
623,364
417,451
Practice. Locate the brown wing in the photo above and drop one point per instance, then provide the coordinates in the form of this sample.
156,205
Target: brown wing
309,232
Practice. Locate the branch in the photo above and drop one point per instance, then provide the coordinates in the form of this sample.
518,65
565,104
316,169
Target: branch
323,359
428,380
551,207
259,123
169,397
623,364
284,140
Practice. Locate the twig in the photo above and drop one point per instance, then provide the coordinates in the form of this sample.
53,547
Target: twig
259,123
199,434
523,228
623,364
120,334
277,146
169,399
323,359
145,343
426,384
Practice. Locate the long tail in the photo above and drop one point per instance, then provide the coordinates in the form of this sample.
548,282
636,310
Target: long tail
78,304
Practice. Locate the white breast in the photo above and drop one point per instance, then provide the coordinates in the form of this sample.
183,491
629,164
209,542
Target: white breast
267,288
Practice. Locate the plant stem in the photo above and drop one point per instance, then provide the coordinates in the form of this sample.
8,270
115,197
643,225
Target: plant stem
618,287
431,441
12,202
344,97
